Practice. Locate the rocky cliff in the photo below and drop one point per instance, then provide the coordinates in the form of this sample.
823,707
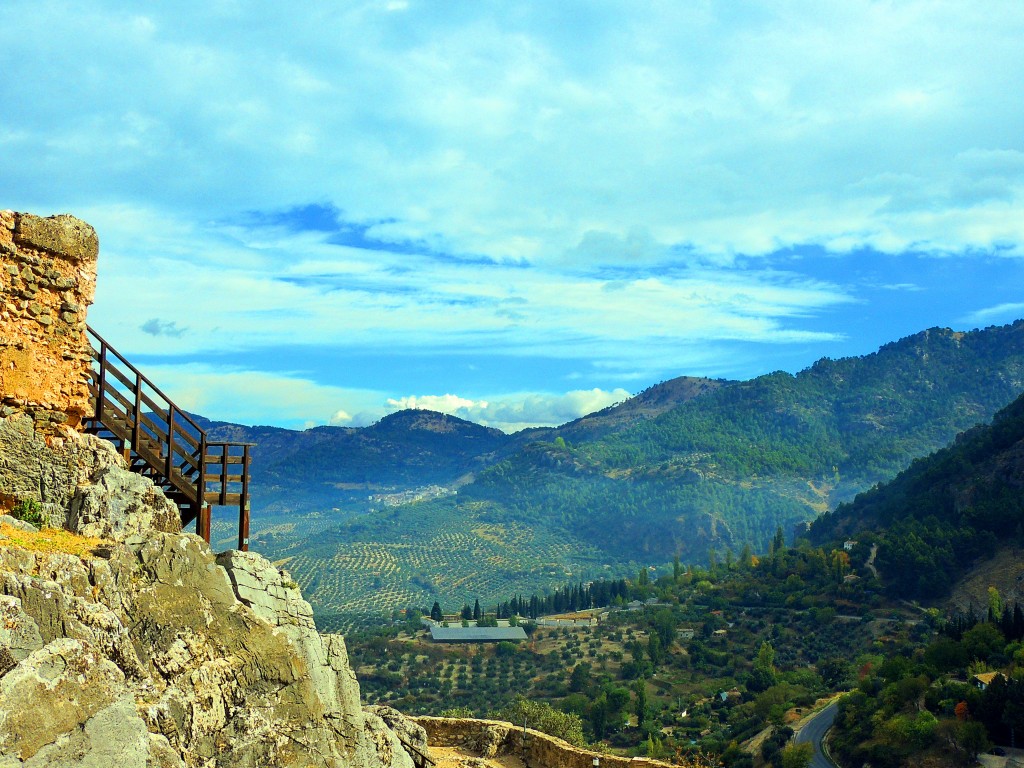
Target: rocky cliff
124,642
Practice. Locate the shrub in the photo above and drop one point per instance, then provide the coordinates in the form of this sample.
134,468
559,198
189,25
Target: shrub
545,718
29,511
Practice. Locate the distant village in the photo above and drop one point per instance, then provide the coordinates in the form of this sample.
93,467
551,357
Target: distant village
407,497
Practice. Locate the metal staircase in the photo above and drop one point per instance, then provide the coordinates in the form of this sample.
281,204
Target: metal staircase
164,443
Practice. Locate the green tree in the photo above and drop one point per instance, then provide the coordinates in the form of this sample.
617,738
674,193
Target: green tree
995,604
796,755
654,649
641,701
435,612
545,718
746,557
476,610
982,642
579,678
765,658
763,675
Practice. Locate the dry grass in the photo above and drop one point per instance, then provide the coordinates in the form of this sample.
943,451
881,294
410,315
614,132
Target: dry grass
50,540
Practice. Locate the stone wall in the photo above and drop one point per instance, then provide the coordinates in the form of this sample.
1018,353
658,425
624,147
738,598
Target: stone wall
490,738
47,280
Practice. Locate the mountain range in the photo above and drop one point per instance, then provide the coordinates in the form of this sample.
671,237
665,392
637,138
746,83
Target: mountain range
687,466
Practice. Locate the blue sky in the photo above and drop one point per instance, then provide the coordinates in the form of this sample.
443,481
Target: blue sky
517,212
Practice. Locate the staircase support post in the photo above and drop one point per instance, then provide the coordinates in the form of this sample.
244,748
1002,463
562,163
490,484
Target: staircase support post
203,521
243,526
243,503
137,416
101,385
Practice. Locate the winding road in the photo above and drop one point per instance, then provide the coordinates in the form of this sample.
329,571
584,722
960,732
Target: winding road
814,730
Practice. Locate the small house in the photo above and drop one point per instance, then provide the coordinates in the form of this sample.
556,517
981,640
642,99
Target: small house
984,679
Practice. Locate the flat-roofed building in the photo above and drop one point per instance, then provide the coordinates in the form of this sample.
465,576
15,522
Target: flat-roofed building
441,634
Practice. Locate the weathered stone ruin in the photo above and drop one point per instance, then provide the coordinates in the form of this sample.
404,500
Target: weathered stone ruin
47,280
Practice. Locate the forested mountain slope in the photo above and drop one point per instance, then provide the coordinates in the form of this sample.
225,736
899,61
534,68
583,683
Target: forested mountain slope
943,513
649,404
325,467
730,466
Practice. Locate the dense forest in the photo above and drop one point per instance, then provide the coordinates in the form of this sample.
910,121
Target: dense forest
945,511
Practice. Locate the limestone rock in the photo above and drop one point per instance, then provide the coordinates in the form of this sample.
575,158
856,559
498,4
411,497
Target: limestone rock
53,692
119,503
385,744
211,681
19,634
411,735
81,482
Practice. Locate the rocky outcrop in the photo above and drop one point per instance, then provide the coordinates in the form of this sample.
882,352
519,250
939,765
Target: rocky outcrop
47,280
80,481
150,650
144,654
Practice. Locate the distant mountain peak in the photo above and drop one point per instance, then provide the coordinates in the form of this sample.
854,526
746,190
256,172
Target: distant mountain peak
425,420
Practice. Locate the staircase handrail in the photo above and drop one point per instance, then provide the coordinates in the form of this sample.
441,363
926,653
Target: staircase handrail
104,344
177,464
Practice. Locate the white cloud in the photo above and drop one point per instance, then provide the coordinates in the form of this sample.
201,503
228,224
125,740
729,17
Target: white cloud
452,404
999,313
340,418
735,129
258,397
514,412
613,165
279,288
